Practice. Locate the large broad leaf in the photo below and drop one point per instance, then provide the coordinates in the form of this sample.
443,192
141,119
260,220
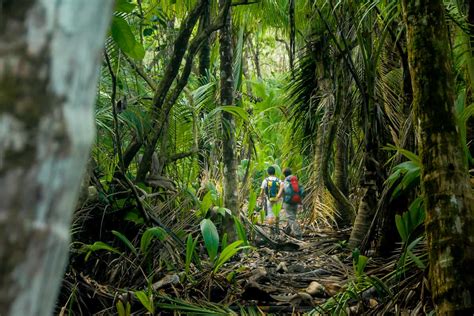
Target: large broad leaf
211,238
124,6
205,204
123,36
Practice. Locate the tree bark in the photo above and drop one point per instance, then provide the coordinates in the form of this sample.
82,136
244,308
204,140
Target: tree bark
341,163
49,53
292,35
170,98
205,53
227,98
172,70
334,190
445,184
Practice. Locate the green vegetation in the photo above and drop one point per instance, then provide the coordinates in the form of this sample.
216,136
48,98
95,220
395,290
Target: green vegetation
370,103
332,100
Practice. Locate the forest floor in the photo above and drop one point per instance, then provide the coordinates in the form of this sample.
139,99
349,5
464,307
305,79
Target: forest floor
315,274
294,275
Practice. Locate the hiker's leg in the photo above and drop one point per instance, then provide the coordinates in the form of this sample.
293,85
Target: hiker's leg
270,216
290,216
293,226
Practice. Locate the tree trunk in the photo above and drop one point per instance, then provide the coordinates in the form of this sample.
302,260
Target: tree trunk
333,189
447,193
292,35
205,52
160,106
48,72
227,98
374,134
341,174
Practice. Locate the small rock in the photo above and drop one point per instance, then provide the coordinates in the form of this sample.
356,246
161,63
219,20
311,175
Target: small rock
353,310
315,288
297,268
332,288
282,268
373,303
168,279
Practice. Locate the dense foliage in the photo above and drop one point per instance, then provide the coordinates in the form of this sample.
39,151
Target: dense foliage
323,87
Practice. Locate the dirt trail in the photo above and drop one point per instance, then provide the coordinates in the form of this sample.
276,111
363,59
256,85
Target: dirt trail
289,275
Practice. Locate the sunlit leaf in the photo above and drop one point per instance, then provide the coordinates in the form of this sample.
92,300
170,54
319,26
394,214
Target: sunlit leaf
123,36
124,6
211,238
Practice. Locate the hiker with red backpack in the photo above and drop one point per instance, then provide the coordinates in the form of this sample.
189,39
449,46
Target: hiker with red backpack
292,193
268,193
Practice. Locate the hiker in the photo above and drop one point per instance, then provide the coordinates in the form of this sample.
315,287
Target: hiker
292,193
268,193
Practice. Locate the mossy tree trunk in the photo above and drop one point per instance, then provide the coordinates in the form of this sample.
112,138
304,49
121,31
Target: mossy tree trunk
447,194
48,72
229,143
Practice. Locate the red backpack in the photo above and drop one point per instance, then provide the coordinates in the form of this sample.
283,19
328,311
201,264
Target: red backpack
293,191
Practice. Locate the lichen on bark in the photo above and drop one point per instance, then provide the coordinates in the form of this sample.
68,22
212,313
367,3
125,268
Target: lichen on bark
49,51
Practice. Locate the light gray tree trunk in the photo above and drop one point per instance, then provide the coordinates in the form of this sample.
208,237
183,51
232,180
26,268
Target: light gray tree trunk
49,53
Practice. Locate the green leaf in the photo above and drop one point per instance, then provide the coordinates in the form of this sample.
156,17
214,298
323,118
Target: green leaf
417,212
98,245
148,235
126,241
401,227
190,246
124,6
228,253
381,286
234,110
241,231
252,202
146,301
416,260
223,211
206,203
408,154
147,32
361,263
224,241
211,238
123,36
135,217
120,308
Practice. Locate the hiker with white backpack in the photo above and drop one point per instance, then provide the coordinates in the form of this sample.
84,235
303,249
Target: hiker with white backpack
268,193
